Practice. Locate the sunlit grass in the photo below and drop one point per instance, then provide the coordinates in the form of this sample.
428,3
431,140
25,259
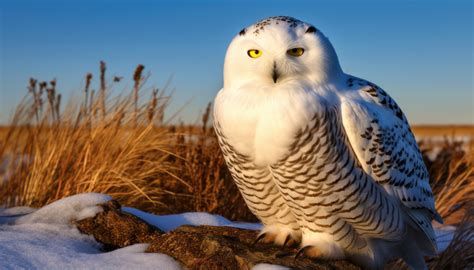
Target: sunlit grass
118,145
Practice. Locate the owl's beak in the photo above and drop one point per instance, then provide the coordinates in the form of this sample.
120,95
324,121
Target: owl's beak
275,73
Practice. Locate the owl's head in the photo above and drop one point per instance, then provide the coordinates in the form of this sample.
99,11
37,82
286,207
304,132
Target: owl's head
279,50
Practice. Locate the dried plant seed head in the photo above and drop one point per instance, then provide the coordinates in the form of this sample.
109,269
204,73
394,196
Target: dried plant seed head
33,82
102,75
137,75
88,79
43,85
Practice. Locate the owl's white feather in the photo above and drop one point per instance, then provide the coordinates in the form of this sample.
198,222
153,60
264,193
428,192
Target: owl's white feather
320,156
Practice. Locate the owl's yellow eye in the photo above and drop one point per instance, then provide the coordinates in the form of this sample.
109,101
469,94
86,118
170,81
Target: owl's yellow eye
295,52
254,53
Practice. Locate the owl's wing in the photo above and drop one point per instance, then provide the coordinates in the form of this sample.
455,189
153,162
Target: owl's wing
382,140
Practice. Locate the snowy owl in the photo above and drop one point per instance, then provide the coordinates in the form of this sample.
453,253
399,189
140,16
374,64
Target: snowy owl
322,158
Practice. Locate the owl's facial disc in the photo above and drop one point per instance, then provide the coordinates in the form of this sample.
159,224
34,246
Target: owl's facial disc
278,51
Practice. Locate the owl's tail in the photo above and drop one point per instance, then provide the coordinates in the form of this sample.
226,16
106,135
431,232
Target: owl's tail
414,248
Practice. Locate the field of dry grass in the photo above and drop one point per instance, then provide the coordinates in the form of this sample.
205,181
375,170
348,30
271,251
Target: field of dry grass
121,146
114,144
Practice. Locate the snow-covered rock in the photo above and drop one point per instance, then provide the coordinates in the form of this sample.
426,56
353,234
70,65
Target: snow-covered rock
46,239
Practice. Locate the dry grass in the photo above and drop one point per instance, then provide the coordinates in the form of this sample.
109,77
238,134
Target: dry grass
460,252
117,145
452,180
89,147
121,146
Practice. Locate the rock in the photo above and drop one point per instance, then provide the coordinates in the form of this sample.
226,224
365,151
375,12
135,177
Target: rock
196,247
211,247
116,229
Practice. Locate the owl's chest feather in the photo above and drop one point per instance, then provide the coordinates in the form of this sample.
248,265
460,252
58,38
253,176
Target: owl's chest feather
264,128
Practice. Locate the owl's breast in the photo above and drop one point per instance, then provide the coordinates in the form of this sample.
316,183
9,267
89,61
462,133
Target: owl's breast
263,123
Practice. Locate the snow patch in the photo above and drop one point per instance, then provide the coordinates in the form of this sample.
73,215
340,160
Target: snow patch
14,211
64,211
170,222
52,246
8,215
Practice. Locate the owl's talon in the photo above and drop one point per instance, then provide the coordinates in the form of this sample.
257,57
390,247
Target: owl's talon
287,239
301,251
259,238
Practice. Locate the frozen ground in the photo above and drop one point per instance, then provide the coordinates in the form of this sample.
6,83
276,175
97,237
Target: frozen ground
45,239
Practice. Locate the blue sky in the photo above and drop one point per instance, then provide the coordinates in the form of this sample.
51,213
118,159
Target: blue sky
421,52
